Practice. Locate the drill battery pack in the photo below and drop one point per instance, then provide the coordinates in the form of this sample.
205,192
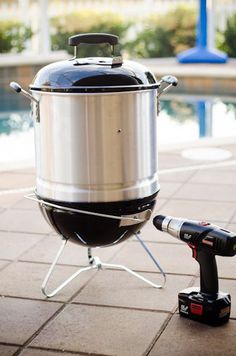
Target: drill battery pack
204,308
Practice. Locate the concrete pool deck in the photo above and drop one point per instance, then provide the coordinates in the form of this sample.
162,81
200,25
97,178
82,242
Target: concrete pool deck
110,312
216,79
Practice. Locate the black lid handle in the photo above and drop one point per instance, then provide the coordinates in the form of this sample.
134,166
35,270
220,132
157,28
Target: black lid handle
93,38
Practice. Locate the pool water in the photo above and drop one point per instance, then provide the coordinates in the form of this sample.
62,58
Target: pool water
186,118
182,119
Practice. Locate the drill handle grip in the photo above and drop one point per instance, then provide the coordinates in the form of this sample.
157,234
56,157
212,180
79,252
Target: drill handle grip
208,272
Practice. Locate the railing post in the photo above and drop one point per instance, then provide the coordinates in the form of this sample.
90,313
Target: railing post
44,44
201,53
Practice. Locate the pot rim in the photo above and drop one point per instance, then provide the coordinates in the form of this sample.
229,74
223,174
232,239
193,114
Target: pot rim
94,89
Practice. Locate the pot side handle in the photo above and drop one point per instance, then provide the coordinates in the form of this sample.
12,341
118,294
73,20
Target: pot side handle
170,81
18,89
35,108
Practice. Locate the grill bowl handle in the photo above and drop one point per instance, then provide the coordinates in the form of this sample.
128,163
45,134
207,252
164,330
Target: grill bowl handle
93,38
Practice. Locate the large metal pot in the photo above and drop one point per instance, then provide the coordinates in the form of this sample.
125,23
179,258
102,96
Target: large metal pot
95,139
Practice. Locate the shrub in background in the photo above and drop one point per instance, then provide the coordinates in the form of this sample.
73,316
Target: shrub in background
158,35
165,35
87,21
226,41
13,36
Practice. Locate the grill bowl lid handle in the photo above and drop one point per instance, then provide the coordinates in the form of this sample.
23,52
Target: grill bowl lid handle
93,38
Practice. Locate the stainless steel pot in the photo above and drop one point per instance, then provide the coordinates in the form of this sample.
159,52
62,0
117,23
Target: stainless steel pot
97,147
95,130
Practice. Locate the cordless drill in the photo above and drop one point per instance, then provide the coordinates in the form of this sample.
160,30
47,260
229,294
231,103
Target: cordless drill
205,304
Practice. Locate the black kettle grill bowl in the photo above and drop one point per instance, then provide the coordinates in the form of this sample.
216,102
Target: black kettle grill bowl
91,230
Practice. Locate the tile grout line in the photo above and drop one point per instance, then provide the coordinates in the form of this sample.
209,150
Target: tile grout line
37,332
9,344
122,307
15,190
26,232
181,185
231,221
53,316
17,259
207,165
204,183
159,333
67,351
195,171
200,200
165,324
61,309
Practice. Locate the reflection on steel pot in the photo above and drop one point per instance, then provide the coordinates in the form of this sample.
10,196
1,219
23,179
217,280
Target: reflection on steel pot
95,139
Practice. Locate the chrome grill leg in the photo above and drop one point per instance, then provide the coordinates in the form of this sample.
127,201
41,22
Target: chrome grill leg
95,263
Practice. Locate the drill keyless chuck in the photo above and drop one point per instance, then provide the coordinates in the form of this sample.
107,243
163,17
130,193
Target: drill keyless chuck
158,220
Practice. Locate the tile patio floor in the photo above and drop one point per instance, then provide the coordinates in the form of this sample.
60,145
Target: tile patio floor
110,312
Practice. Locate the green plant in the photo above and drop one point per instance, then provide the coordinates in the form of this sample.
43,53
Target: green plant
227,40
13,36
165,35
158,35
86,21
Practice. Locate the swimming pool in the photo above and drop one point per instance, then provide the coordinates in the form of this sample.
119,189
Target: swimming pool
182,119
188,118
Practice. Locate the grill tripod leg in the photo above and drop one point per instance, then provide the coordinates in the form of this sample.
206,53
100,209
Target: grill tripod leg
138,275
156,263
68,280
95,263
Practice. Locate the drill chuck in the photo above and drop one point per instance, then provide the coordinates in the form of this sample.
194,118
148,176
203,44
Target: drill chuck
158,220
169,224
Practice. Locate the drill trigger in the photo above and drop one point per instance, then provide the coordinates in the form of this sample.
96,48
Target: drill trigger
194,251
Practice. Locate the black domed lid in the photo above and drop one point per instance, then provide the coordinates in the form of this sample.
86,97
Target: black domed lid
97,74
